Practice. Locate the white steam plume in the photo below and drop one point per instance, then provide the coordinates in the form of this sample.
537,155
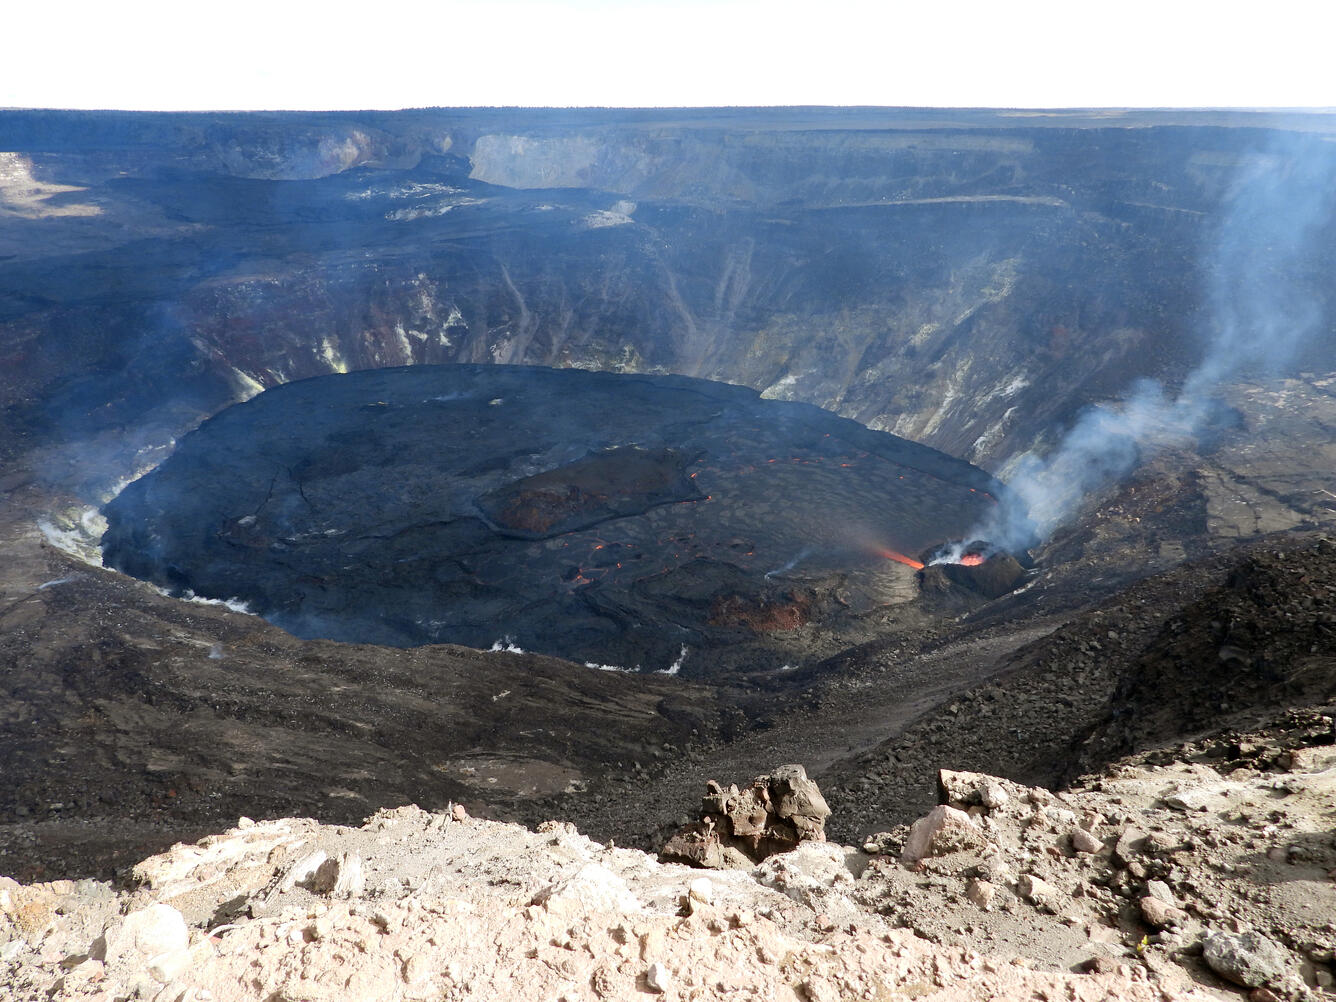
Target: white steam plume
1262,305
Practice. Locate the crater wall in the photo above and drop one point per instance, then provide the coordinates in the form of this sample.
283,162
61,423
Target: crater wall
969,280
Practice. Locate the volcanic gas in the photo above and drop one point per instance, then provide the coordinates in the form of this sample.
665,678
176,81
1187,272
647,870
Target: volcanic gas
606,518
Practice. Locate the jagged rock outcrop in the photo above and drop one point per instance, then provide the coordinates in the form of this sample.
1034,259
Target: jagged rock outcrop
964,790
739,828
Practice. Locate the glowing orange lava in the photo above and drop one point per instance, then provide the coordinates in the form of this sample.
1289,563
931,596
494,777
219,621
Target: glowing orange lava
972,559
892,555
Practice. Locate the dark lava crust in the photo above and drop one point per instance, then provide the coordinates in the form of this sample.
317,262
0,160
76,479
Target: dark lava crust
606,518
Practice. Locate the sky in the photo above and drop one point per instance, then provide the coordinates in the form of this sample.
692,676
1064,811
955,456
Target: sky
293,54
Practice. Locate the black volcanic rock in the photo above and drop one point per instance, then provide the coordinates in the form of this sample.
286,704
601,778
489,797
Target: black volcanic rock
624,520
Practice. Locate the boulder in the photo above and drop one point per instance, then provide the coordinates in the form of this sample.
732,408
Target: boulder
981,893
1131,843
340,878
941,831
740,828
967,789
1038,892
1083,841
1160,913
1159,890
658,978
1246,959
152,940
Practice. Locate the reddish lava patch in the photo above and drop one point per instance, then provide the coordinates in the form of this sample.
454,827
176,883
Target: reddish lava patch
760,615
612,483
538,511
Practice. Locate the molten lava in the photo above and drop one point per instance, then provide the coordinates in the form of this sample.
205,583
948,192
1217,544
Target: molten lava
960,554
892,555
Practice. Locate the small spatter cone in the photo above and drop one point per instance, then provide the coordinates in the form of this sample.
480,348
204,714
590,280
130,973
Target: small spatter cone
978,567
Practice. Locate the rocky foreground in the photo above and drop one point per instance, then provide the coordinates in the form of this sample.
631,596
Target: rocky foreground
1165,877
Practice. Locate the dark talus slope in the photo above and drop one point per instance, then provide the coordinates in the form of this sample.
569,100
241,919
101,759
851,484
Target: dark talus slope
1230,641
1260,640
625,520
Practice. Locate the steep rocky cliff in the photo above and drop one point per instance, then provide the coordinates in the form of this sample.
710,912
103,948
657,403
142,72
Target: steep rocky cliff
968,280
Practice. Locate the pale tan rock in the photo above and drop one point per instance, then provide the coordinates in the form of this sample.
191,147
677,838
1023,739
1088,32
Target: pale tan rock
31,908
167,967
457,922
1159,890
153,940
653,943
1131,843
981,892
1037,891
340,878
820,990
243,856
1083,841
658,978
593,887
966,789
1315,759
304,870
941,831
149,931
1159,913
701,890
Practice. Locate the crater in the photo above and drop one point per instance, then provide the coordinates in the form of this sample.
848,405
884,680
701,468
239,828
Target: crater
606,518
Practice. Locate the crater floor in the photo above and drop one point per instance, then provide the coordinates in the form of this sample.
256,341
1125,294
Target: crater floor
636,521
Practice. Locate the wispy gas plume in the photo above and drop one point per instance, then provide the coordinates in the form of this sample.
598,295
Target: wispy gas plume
802,555
1262,304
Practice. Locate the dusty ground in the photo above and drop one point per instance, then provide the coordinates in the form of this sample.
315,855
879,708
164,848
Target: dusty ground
1197,875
